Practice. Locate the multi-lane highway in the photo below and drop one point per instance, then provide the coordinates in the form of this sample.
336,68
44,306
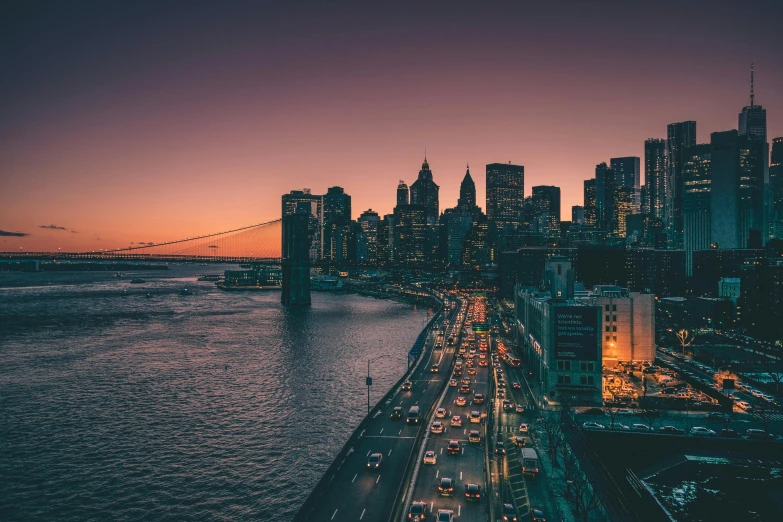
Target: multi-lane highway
462,410
359,492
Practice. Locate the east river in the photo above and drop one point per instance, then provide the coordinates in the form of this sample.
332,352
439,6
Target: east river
123,401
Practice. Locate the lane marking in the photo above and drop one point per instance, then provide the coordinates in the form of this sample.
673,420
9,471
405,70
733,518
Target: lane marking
437,473
381,430
379,478
354,477
333,514
431,504
368,453
386,437
441,451
389,455
459,509
362,515
399,432
460,475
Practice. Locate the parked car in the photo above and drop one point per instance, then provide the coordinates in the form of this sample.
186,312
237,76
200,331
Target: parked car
640,427
671,430
701,431
593,426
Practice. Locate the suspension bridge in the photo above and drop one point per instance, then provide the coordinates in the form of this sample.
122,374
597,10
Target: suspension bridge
257,244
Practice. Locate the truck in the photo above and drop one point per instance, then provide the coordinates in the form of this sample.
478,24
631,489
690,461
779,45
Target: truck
530,464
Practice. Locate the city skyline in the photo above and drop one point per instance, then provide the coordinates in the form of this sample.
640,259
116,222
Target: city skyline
163,138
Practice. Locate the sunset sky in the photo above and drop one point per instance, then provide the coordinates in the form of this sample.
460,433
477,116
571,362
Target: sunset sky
151,121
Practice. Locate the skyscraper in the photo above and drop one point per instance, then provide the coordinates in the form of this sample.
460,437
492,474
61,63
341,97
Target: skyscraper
337,212
679,136
314,204
546,209
624,205
589,202
696,201
604,197
402,193
737,189
467,191
776,187
655,176
577,214
424,192
753,118
505,195
370,223
626,171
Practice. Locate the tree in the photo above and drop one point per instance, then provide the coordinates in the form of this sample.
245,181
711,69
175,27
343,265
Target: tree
728,419
776,377
686,338
762,413
612,416
584,498
553,432
650,415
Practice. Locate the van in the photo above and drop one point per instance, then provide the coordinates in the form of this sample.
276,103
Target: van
529,462
413,415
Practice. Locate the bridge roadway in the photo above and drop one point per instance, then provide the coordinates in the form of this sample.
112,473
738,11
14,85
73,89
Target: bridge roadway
358,493
469,466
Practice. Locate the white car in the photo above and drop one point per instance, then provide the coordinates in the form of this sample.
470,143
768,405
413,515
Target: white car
440,413
524,428
702,432
593,426
623,411
430,457
453,382
640,427
475,417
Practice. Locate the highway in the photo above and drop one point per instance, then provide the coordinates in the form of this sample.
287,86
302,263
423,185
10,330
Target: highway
468,465
359,493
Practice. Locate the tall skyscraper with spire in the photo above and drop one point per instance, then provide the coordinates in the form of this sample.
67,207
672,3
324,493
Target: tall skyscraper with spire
753,118
467,191
424,192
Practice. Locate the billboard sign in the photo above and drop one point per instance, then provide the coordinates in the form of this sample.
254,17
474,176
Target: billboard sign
576,333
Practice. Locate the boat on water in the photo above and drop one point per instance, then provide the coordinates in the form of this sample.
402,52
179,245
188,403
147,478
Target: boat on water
137,281
148,295
186,291
119,275
209,278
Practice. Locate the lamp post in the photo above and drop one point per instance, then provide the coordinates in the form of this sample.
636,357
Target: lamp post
368,380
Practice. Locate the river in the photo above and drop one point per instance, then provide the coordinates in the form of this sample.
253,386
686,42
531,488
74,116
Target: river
116,405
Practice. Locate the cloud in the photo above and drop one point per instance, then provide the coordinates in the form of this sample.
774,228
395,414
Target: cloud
52,227
13,234
213,246
74,232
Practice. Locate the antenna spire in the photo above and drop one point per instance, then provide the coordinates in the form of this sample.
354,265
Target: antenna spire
752,96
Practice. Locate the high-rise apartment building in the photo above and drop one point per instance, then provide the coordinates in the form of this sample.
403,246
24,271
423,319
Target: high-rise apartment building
696,201
655,176
679,136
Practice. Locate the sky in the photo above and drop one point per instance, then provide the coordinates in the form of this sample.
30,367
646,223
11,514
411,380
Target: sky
153,121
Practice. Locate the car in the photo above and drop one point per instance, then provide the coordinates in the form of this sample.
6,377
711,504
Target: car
461,401
500,448
466,381
623,411
418,511
473,492
437,427
407,385
501,394
520,408
509,513
478,398
671,430
453,448
524,428
445,515
453,382
701,431
440,413
430,457
519,442
483,363
729,434
434,368
457,372
593,426
474,417
499,370
471,371
620,427
516,386
759,434
536,515
446,487
640,427
474,436
593,411
396,413
374,461
464,389
716,415
456,420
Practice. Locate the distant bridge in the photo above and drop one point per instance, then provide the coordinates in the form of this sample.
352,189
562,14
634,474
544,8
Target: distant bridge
256,244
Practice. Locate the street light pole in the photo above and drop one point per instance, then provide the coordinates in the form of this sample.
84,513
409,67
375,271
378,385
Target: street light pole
369,383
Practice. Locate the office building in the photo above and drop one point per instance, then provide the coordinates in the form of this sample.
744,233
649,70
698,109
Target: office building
696,201
729,288
679,136
776,187
403,194
561,346
505,198
590,203
424,193
626,174
467,191
761,298
658,272
710,266
559,277
370,223
314,204
655,176
546,210
753,118
410,235
628,324
577,215
737,189
337,211
604,197
624,205
597,264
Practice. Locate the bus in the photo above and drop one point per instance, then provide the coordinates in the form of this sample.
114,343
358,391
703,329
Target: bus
530,465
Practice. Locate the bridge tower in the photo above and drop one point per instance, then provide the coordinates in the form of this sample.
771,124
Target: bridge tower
296,258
